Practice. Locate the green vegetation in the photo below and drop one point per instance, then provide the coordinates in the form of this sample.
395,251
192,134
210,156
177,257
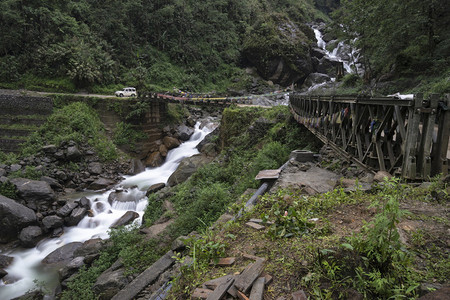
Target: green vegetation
402,38
74,122
309,247
126,134
72,45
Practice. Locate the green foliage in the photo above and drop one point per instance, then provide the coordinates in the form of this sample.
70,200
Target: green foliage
125,134
8,158
205,248
153,210
8,190
29,172
373,261
74,122
175,113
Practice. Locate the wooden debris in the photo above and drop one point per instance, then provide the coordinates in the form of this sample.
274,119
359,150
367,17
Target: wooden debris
225,261
221,290
257,292
268,174
242,296
214,283
249,256
268,278
201,293
299,295
255,225
245,280
233,291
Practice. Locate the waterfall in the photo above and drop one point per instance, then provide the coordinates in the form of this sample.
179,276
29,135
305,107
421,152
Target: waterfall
27,270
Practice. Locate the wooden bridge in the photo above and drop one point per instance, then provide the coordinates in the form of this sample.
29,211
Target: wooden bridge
407,138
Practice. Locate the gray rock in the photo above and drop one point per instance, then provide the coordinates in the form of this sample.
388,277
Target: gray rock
52,222
101,183
109,283
3,273
121,196
49,149
5,261
13,218
126,219
170,142
95,168
76,216
99,207
34,191
62,255
73,153
73,266
15,167
90,247
178,244
329,66
317,52
136,167
381,175
30,236
155,187
184,132
84,202
66,209
186,168
316,78
52,182
2,172
190,121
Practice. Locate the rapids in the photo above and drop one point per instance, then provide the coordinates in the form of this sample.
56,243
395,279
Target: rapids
27,273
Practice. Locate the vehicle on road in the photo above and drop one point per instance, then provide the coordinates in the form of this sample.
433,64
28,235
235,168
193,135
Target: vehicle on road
126,92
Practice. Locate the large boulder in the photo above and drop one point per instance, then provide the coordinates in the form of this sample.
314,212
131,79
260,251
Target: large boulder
13,218
316,78
76,216
136,167
126,219
170,142
73,153
110,282
101,183
184,132
66,209
329,66
30,236
62,255
186,168
121,196
34,191
154,160
52,222
279,49
95,168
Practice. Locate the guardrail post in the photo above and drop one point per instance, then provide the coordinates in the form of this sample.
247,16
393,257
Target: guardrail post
409,167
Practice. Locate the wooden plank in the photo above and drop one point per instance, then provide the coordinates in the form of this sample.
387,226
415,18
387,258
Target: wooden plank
268,278
201,293
257,292
221,290
214,283
225,262
268,174
241,296
245,280
249,256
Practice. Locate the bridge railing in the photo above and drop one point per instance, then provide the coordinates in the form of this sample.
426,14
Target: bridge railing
407,137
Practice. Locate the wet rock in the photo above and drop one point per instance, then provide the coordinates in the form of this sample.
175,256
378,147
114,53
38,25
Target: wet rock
329,66
99,207
31,295
121,196
30,236
136,167
154,160
33,190
155,187
13,218
84,202
184,132
186,168
3,273
101,183
126,219
316,78
170,142
76,216
5,261
66,209
317,52
62,255
57,232
52,222
95,168
190,121
163,150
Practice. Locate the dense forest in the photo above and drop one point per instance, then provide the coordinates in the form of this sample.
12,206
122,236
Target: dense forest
206,45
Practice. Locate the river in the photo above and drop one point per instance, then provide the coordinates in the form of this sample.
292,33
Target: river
27,272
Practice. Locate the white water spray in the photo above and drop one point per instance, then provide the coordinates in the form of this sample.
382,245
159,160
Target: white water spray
27,270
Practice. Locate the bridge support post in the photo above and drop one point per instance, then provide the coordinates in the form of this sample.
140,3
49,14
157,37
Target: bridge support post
412,135
440,148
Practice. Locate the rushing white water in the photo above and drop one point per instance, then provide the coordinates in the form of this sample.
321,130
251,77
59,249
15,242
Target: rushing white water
27,269
351,54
